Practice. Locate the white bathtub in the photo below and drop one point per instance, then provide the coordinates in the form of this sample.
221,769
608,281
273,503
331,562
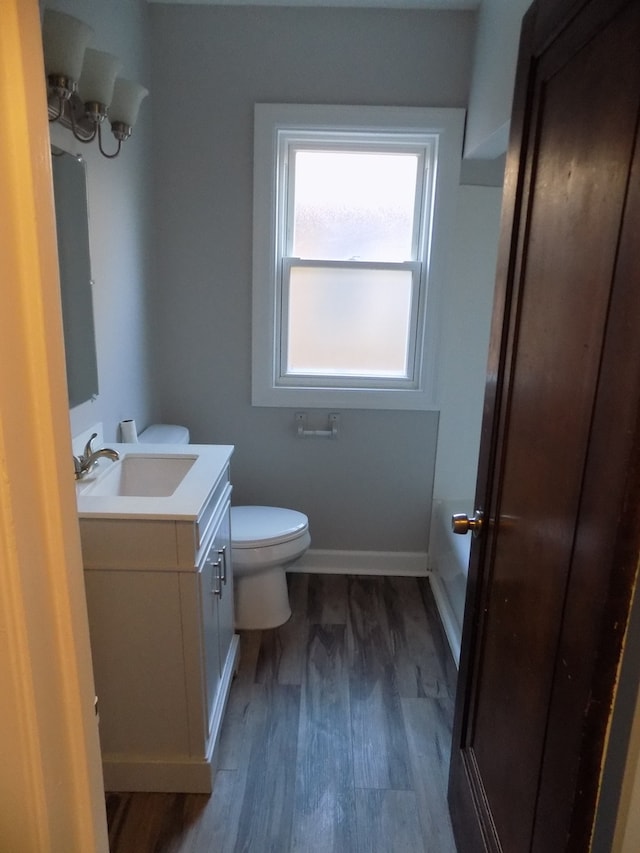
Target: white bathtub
448,565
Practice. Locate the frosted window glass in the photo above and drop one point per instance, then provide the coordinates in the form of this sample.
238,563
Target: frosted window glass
351,205
349,322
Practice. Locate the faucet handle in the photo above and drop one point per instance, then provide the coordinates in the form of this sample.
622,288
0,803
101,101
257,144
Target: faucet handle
87,448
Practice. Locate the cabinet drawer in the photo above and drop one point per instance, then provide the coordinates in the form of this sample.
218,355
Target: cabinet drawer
193,538
207,518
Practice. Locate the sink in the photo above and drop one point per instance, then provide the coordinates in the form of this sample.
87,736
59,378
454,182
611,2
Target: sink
142,475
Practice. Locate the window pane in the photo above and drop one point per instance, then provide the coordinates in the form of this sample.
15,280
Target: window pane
349,322
351,205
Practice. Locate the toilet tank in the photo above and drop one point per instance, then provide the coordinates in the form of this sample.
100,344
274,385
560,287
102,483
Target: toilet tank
165,434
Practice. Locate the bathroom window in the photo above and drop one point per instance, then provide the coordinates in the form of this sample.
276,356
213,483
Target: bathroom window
352,210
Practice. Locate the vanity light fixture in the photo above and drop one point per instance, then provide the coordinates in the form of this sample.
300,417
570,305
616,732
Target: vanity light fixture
82,83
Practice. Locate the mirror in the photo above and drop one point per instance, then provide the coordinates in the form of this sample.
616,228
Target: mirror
72,222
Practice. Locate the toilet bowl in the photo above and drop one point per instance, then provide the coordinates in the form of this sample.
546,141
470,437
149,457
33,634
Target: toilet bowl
263,540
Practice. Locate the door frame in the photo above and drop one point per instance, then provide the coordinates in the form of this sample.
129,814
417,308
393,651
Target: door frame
50,775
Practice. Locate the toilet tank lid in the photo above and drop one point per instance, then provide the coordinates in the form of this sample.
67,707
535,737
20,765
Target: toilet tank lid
165,434
253,526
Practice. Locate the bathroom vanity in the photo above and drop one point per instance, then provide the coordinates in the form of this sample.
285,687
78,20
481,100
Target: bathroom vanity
159,584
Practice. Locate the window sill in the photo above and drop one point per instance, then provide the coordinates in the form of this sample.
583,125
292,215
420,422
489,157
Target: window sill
344,398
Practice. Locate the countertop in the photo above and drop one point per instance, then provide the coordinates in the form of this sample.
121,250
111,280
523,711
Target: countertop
185,504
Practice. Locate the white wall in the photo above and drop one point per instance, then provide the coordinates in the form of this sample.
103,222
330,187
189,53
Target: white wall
464,345
465,342
371,489
494,67
119,226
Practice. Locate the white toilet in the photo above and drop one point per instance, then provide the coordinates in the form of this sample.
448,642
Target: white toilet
263,540
165,434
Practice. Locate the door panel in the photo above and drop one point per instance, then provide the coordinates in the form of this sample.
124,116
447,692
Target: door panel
602,520
531,572
225,603
209,582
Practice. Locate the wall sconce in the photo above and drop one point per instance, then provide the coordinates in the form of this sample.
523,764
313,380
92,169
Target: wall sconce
82,84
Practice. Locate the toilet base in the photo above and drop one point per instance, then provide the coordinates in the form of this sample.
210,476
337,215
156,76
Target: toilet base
261,599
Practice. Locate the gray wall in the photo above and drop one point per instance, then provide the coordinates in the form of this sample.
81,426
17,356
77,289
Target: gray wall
119,226
371,489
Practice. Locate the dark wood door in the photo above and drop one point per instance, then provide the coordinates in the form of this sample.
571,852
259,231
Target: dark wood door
551,574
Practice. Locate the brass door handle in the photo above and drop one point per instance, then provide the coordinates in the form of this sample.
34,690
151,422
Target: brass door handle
461,523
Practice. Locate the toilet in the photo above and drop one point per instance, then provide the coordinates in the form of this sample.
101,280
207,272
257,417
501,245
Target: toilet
264,539
165,434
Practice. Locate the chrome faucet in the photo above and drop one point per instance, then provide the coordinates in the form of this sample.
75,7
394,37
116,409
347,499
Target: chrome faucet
84,463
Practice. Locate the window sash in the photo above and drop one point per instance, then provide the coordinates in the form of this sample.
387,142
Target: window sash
422,145
285,378
335,141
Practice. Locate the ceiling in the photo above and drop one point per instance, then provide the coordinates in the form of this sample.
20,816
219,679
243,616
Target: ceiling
390,4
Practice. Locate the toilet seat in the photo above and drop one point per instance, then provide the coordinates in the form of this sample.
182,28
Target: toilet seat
265,526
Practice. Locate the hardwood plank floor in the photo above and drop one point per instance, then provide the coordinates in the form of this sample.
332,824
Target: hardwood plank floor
336,737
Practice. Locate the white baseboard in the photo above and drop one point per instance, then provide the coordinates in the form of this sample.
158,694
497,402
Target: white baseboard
399,563
186,775
447,616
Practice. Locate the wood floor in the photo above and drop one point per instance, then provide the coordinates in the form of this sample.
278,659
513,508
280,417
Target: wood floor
336,737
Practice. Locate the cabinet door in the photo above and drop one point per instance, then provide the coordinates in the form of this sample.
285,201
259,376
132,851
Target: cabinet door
225,600
136,645
210,584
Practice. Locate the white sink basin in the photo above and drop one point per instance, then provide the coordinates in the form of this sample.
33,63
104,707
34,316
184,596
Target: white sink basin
142,475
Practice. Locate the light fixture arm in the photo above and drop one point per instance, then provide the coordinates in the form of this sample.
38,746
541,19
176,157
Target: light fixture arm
61,88
60,112
91,119
102,151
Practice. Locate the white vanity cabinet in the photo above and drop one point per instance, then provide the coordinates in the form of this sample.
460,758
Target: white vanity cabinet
160,601
210,594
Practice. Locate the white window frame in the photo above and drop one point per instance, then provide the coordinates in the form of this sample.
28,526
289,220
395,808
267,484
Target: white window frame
277,125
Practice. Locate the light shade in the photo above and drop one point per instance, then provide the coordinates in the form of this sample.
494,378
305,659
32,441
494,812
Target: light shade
64,40
98,76
127,97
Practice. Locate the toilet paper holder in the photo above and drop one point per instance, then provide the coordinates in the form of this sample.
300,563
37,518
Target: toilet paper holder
303,432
